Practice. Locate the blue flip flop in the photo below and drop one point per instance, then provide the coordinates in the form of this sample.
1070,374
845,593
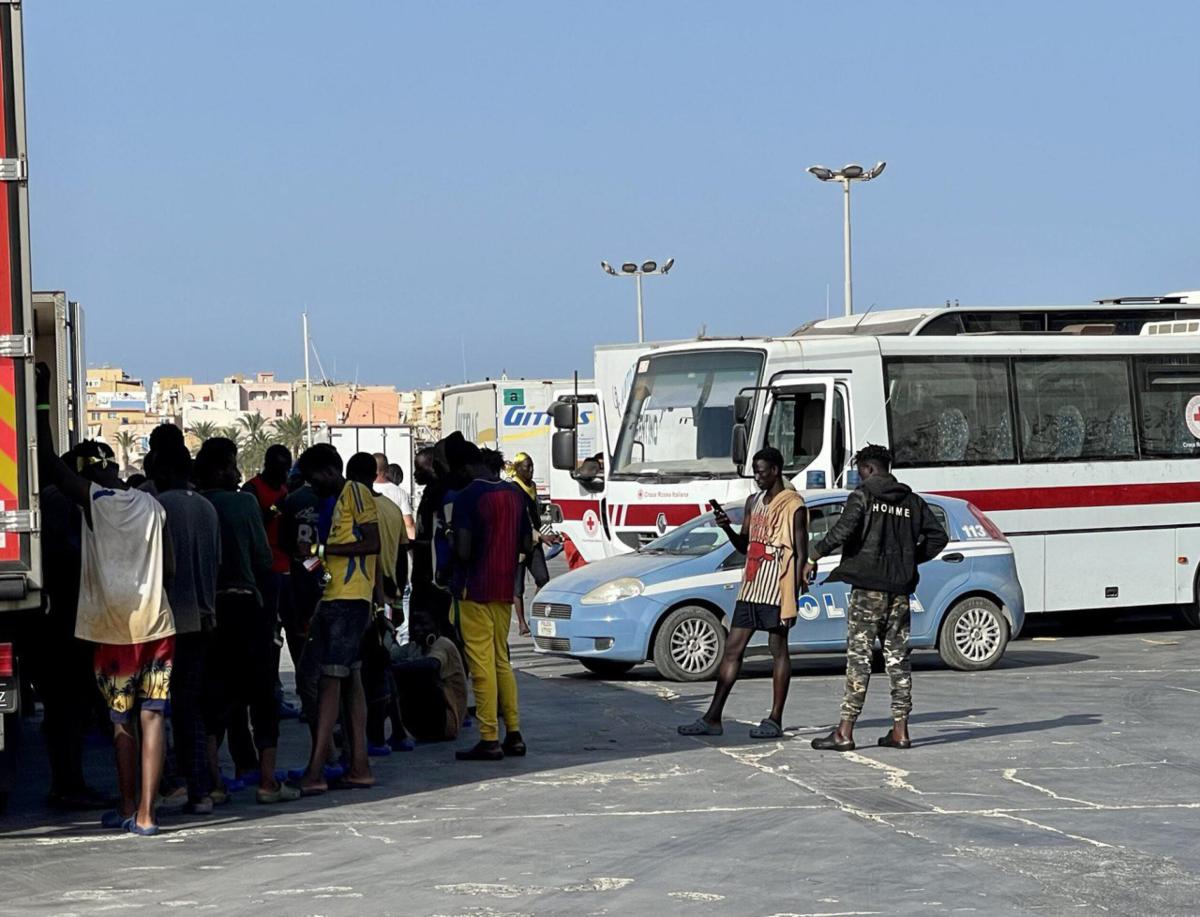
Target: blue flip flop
134,828
113,820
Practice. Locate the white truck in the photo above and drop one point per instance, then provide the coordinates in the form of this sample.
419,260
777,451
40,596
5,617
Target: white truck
511,415
578,506
396,442
34,327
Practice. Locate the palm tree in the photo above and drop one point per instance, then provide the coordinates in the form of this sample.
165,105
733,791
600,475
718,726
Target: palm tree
255,440
202,431
291,432
126,441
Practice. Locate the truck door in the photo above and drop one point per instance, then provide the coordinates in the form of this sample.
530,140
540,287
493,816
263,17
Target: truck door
578,504
807,420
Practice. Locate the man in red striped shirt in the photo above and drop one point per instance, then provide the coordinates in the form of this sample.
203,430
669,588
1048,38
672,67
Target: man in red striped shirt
491,533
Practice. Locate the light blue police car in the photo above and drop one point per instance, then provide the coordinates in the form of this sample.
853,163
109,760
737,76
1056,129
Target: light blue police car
671,601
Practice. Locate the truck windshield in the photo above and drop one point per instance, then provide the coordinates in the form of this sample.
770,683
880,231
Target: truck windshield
679,417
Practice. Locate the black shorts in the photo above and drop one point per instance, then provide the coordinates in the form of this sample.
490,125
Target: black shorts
758,616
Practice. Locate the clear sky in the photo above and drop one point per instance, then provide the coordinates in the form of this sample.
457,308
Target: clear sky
420,175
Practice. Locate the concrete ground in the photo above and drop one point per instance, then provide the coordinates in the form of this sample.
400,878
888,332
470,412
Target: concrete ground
1064,781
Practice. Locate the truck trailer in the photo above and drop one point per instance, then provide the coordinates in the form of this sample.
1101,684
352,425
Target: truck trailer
511,415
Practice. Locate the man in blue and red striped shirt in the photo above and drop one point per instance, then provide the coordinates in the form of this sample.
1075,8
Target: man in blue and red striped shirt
491,534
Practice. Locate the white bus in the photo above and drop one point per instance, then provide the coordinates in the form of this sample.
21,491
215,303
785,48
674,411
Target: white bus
1082,448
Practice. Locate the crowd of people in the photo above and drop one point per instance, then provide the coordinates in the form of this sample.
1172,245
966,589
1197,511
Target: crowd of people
175,597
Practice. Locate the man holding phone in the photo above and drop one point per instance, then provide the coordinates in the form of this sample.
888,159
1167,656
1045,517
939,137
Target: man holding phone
774,538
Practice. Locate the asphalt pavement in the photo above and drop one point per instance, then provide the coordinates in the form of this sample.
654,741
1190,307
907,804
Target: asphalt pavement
1063,781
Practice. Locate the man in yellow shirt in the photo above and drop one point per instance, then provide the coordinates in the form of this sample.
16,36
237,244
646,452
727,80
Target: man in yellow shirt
332,658
382,703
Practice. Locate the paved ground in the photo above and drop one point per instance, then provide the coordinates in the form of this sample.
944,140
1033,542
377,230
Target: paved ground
1064,781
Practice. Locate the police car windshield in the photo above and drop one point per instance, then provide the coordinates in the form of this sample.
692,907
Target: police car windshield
700,536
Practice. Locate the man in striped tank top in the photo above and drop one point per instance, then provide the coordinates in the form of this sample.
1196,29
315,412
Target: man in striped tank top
774,538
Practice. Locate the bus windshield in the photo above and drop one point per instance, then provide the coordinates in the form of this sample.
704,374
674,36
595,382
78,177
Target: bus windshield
679,417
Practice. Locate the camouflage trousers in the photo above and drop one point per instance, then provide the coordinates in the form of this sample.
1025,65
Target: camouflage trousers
884,616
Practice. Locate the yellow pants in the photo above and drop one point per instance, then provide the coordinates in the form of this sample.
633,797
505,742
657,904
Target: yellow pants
484,629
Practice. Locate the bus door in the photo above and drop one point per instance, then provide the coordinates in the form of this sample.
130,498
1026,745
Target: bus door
578,479
807,420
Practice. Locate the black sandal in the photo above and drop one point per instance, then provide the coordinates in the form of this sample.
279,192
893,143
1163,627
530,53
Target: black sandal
514,745
886,741
831,743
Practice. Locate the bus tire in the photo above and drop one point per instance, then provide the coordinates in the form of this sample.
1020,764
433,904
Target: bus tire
974,635
606,668
1189,615
689,644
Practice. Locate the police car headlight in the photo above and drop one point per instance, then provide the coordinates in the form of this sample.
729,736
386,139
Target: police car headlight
614,591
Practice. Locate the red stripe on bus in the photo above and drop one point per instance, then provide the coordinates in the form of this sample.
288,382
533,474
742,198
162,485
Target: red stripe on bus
1018,498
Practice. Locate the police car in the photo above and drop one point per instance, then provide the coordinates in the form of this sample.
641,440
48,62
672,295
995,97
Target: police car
671,602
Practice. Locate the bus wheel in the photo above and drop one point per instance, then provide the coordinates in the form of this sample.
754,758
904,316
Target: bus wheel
974,635
689,645
606,668
1190,614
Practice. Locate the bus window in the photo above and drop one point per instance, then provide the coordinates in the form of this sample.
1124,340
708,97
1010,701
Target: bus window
1169,392
949,411
796,427
1074,409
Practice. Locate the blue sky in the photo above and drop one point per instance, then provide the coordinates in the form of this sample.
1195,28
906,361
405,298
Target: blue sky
423,175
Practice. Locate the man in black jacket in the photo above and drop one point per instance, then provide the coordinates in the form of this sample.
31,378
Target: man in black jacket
884,533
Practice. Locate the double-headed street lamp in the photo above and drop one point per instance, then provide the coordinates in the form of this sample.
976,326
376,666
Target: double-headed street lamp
629,269
847,174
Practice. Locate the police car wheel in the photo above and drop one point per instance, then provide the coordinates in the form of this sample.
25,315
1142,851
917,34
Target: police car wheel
974,635
606,668
689,645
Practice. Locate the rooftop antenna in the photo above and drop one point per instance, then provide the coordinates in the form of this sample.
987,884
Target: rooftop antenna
864,315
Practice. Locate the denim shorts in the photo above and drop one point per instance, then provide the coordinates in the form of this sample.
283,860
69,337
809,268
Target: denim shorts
335,636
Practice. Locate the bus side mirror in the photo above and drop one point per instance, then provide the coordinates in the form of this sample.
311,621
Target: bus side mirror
741,408
563,414
740,446
562,449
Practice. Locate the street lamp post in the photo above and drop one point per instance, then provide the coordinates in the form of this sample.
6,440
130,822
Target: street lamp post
847,174
637,272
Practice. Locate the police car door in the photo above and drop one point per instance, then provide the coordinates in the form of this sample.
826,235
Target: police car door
821,623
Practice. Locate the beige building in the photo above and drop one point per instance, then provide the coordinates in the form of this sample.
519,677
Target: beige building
344,404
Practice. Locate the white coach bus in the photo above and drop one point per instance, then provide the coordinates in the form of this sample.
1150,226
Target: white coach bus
1082,448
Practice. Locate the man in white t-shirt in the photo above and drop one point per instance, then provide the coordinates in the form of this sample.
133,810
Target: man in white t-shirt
388,483
126,563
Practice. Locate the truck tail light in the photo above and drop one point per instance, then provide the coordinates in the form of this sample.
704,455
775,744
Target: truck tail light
6,660
989,526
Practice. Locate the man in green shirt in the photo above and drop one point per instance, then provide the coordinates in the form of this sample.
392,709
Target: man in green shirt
244,644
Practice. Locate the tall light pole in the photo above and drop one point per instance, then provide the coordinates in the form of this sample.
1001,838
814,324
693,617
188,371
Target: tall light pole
629,269
847,174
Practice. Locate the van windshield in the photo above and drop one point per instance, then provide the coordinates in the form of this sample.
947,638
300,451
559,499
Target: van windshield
679,417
